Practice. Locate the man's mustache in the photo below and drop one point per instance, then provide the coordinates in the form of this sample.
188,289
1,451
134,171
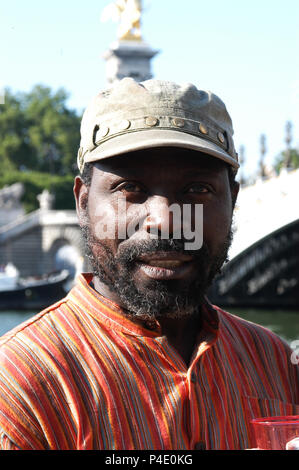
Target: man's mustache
130,252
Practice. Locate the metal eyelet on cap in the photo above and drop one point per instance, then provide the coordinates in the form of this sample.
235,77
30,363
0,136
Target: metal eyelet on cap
80,159
80,155
178,122
203,129
123,125
151,121
102,132
221,137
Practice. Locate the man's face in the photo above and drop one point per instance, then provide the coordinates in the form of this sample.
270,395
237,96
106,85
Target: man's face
123,214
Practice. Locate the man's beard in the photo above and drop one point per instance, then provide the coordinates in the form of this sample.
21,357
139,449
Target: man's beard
168,299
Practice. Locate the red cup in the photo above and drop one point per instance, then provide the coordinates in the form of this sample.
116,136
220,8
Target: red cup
277,432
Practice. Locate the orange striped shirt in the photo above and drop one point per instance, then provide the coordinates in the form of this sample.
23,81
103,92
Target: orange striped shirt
80,375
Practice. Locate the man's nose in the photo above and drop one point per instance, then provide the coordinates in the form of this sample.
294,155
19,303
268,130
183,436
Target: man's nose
163,219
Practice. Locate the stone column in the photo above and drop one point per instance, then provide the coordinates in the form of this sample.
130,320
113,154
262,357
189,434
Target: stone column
129,59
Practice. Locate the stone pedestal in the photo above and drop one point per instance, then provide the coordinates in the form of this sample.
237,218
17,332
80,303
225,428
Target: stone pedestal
129,59
11,207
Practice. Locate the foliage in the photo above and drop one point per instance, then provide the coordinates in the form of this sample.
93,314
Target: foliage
38,132
39,140
14,145
287,158
35,182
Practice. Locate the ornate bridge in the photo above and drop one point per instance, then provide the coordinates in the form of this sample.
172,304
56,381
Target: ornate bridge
42,242
264,259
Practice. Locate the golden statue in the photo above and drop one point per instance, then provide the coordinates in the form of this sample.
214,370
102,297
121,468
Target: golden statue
128,14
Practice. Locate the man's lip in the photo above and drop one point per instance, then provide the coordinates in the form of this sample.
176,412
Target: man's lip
167,257
166,265
167,270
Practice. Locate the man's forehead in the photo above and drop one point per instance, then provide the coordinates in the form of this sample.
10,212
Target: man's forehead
183,160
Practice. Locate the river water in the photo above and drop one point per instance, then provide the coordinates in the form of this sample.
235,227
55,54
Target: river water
283,323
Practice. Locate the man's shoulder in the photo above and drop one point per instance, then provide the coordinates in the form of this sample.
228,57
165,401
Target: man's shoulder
32,361
46,315
241,329
267,357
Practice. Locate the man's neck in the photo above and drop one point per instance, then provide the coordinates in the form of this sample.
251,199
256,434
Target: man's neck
180,332
104,290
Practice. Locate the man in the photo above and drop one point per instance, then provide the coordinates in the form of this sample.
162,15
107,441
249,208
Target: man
135,357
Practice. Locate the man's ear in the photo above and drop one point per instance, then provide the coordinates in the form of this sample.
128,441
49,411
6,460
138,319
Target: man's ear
81,197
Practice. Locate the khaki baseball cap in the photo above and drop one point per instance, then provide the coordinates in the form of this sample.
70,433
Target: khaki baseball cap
133,116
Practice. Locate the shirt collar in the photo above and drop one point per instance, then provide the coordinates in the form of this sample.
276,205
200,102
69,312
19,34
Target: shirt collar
84,296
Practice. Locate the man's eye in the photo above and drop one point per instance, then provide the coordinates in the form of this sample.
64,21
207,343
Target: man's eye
198,188
131,188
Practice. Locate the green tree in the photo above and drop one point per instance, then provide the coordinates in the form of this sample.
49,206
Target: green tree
287,159
38,132
35,182
39,140
14,142
53,130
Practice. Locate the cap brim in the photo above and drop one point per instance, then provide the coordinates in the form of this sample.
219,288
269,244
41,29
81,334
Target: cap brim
153,138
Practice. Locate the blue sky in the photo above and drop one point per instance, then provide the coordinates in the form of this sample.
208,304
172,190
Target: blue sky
244,51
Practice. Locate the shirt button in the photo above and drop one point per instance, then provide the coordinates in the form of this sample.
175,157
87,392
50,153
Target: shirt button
193,377
200,446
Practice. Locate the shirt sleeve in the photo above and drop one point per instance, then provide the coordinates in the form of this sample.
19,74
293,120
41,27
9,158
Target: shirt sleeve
33,400
20,402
